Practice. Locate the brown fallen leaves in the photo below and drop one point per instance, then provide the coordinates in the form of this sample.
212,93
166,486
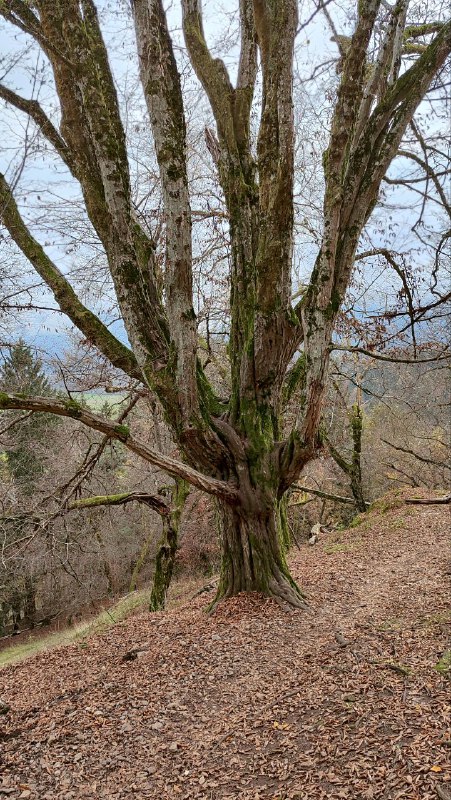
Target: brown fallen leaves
254,703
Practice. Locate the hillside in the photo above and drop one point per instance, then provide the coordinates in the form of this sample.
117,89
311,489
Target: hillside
253,702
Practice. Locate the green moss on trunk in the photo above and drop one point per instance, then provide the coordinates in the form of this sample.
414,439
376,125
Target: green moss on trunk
253,555
167,549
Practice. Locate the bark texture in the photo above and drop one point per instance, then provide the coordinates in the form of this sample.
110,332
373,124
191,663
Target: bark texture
167,548
253,555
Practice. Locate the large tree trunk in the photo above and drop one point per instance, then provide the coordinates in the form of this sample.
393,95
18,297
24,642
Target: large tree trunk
253,553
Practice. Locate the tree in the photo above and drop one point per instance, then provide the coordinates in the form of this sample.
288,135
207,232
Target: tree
170,513
353,468
22,373
235,450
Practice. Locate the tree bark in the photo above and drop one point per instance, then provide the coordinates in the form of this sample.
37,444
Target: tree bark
140,561
164,566
429,501
167,549
253,553
355,474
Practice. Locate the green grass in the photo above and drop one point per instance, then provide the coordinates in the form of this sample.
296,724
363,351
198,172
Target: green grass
97,400
444,665
397,524
356,521
431,620
341,547
392,624
124,608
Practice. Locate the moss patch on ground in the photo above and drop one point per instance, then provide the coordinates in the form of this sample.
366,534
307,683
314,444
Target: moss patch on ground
444,665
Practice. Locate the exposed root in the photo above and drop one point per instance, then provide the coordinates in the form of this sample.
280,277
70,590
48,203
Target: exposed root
288,596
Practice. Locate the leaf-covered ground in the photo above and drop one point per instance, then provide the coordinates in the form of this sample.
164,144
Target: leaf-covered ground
252,702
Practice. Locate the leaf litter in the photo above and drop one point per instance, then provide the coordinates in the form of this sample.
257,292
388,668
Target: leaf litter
254,703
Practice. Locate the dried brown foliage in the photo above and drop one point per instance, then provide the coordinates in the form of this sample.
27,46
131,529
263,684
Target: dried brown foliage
251,702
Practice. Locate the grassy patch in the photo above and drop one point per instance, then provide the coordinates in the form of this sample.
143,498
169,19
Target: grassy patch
444,665
398,523
124,608
357,520
341,547
393,499
440,618
401,669
182,589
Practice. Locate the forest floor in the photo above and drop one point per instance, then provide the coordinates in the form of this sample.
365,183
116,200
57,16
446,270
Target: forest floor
254,703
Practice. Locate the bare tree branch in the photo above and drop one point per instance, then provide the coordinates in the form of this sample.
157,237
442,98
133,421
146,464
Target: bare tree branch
87,322
431,174
337,498
389,358
92,129
37,114
162,89
150,500
424,459
212,74
120,432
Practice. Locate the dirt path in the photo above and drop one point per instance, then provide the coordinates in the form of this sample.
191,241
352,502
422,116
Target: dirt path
254,703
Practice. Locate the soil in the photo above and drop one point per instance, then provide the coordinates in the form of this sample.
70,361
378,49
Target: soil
253,702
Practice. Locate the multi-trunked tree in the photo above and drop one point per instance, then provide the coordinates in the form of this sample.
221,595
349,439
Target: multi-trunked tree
234,450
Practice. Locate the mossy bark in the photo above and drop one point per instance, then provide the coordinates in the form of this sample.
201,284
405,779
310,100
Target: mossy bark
253,557
353,468
164,566
355,473
284,528
167,549
140,561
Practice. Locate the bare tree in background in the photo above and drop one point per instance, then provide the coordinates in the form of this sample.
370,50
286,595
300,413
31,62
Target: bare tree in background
232,447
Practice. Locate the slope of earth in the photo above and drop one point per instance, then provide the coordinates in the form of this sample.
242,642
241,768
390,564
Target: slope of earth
253,702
